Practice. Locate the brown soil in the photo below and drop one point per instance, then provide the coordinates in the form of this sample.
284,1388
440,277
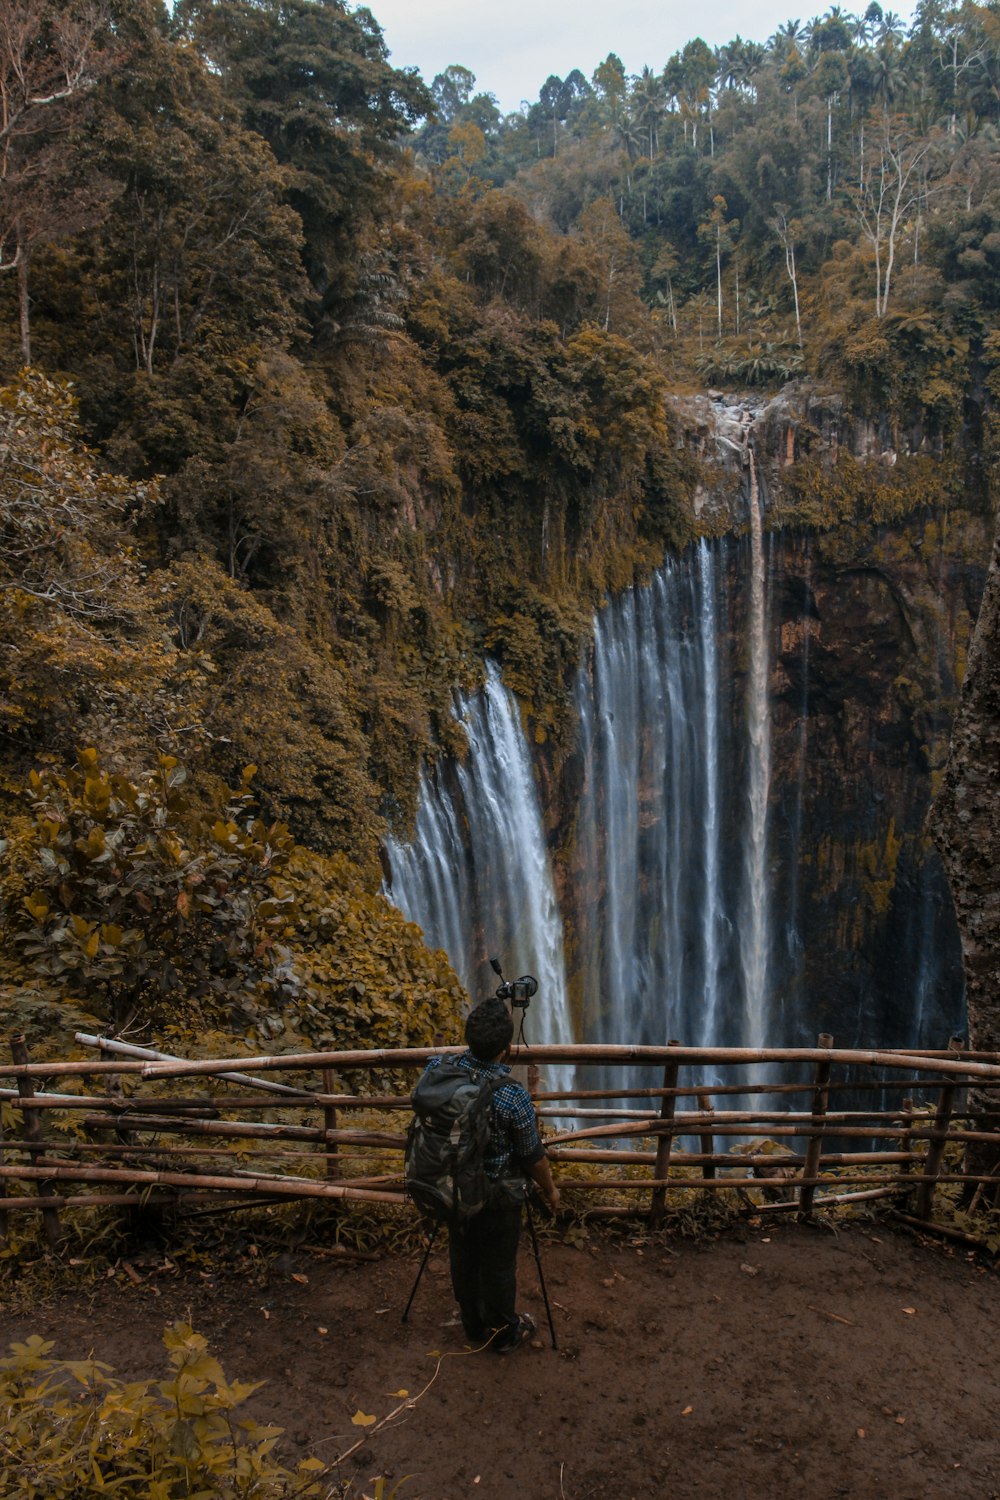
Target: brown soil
782,1362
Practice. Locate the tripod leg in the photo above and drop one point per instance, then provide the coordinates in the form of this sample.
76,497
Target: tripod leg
423,1266
541,1278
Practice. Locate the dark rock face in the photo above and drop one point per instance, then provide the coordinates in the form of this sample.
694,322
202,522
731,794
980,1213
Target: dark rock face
965,819
869,637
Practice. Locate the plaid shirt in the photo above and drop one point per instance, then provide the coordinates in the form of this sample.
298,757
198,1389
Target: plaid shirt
514,1140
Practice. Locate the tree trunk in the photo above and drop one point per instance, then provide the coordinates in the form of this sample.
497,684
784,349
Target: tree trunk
23,298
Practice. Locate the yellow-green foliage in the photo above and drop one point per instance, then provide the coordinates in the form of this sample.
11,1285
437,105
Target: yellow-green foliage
73,1431
370,979
143,898
814,493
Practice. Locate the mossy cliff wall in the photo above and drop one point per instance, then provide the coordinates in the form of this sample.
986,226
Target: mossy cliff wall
965,819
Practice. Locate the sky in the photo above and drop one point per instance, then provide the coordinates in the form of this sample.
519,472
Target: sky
513,45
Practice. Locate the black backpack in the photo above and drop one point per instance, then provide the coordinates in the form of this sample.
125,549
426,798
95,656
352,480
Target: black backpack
446,1144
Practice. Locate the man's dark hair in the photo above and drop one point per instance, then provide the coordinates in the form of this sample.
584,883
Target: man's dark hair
489,1029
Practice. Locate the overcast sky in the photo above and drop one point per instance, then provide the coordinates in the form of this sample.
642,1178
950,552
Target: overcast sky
513,45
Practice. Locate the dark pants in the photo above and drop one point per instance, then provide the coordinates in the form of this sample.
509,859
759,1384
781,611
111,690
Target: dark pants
484,1269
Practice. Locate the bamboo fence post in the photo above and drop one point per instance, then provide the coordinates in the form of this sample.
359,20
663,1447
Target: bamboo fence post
33,1140
938,1139
665,1143
906,1134
330,1125
814,1150
3,1188
706,1138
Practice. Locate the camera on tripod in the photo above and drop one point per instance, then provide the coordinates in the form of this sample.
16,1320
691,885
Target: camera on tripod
517,991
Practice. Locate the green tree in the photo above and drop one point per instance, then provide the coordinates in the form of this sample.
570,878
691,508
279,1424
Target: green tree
313,79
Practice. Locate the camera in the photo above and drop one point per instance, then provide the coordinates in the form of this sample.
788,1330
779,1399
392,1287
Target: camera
517,991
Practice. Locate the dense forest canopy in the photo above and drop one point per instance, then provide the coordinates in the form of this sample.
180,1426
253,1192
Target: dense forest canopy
321,382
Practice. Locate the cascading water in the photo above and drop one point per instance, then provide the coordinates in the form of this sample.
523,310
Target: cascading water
755,933
693,825
672,820
477,876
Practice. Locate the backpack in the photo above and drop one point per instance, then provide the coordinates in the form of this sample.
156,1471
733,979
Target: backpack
446,1144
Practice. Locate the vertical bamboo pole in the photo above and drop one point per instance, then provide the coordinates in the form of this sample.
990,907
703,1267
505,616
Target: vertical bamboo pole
906,1134
664,1145
814,1151
3,1187
939,1138
329,1124
707,1138
33,1140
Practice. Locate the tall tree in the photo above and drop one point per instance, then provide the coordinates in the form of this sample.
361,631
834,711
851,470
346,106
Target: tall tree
313,78
889,189
51,56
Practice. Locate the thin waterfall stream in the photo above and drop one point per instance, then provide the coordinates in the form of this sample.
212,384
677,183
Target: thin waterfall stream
755,931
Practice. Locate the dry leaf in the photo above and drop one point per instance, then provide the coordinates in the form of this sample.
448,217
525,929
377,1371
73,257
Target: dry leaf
361,1419
399,1393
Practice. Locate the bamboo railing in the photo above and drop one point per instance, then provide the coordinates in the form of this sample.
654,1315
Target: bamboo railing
124,1125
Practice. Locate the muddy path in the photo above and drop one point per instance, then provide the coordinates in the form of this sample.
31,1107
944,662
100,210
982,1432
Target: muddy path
782,1361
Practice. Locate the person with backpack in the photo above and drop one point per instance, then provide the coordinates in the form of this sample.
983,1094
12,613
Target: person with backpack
483,1125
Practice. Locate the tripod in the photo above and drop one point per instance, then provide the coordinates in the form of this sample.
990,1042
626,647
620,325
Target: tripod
538,1263
423,1266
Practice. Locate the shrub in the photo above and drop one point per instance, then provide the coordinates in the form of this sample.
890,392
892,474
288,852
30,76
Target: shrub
141,899
73,1431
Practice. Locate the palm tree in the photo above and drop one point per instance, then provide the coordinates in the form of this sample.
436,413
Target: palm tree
649,104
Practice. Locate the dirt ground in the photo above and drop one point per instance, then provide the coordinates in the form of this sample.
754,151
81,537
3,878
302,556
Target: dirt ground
779,1362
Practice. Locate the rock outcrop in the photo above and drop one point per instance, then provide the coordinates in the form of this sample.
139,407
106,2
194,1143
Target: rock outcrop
965,819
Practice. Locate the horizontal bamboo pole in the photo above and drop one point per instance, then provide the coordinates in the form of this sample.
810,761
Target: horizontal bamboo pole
214,1104
581,1054
307,1100
827,1201
242,1129
150,1054
285,1187
82,1068
690,1124
643,1184
726,1159
92,1200
739,1116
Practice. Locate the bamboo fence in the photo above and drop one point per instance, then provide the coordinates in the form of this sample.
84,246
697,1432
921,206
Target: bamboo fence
810,1128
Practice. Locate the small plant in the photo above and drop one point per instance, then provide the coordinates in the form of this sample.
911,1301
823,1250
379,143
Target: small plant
71,1431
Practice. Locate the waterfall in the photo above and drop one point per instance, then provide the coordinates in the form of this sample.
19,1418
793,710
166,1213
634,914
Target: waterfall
477,877
755,928
688,906
671,829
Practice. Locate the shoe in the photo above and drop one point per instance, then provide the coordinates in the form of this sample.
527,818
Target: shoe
515,1337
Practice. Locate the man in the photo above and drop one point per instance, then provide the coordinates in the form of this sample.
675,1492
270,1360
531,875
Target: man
483,1250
